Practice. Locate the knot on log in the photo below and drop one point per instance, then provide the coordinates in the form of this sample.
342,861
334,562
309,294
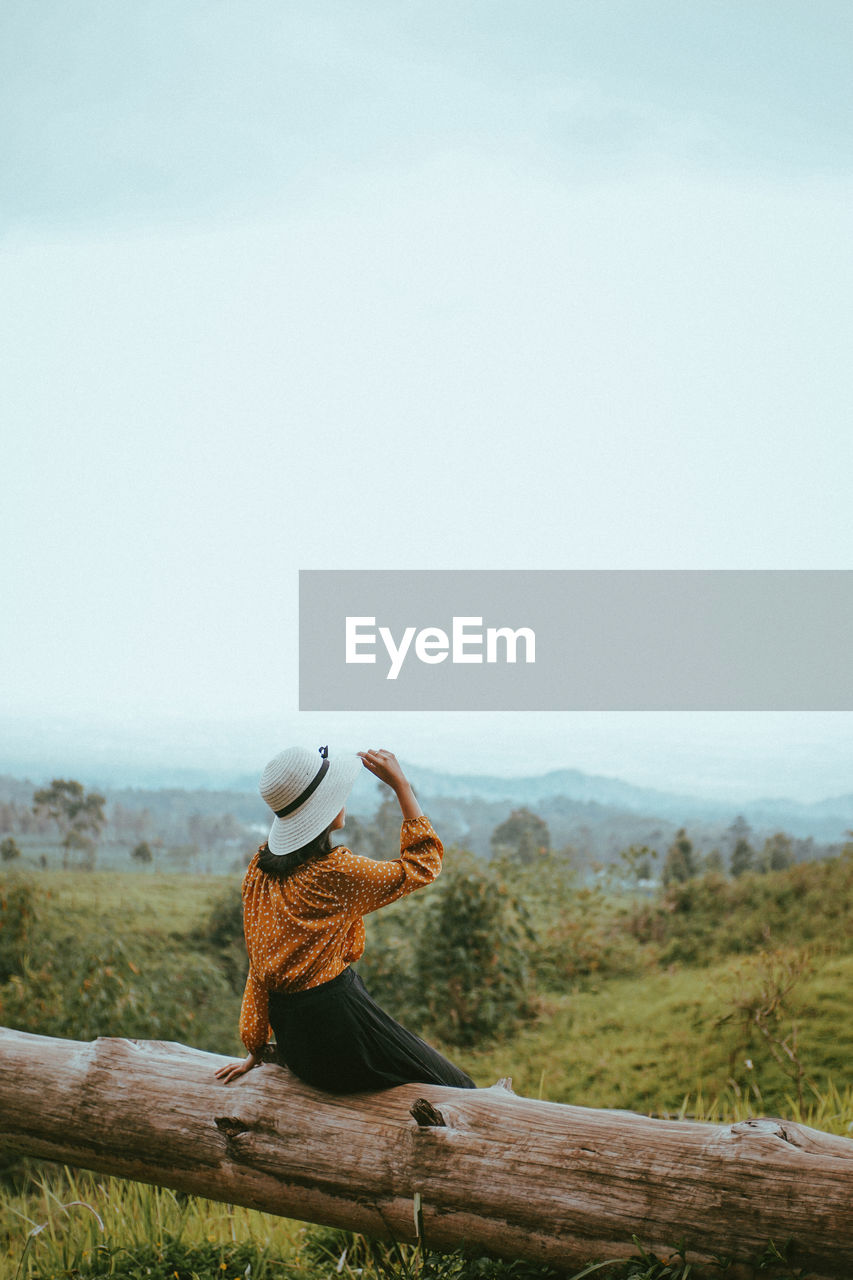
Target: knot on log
230,1127
427,1116
766,1125
800,1136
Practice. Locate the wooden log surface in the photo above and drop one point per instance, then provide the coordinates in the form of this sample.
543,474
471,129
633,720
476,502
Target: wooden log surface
503,1174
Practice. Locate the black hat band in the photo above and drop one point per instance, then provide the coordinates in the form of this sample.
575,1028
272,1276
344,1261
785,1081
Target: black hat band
309,791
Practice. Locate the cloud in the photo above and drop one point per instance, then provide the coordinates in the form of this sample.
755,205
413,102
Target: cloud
128,113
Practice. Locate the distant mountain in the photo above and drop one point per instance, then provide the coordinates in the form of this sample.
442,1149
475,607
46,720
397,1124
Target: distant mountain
827,819
596,813
572,783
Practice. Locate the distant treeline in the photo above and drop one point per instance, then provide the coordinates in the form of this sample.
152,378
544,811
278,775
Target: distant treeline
176,829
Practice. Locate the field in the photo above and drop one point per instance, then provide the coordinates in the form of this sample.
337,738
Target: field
716,999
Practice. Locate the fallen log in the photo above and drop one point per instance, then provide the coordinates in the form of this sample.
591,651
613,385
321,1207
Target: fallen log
495,1172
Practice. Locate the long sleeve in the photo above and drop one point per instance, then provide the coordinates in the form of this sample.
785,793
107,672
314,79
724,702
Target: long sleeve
366,885
254,1015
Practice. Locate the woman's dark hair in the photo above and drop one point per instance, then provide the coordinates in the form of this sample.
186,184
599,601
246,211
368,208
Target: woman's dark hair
283,865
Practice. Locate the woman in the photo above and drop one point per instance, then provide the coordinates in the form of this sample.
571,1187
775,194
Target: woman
303,907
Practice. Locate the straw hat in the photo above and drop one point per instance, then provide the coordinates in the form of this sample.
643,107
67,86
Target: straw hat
305,793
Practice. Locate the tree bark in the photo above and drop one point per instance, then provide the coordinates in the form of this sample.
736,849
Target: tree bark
495,1172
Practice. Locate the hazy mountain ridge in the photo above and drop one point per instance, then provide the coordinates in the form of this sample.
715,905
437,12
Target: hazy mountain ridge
598,813
571,783
830,814
826,819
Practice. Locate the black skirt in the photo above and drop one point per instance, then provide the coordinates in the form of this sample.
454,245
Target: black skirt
336,1037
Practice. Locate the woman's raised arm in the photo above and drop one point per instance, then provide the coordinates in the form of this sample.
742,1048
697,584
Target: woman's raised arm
386,767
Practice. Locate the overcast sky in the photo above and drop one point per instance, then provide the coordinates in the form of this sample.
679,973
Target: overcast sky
383,285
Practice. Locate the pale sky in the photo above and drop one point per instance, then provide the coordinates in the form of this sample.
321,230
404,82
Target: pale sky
381,285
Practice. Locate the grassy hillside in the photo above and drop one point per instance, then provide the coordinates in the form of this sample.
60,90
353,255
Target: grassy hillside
719,999
628,1003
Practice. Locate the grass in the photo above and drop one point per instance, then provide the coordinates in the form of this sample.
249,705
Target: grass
675,1010
156,903
643,1043
75,1224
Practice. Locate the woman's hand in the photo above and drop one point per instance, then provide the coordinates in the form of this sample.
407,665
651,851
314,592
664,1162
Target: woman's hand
386,767
234,1069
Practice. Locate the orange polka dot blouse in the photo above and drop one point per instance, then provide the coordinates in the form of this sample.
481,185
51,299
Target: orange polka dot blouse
306,929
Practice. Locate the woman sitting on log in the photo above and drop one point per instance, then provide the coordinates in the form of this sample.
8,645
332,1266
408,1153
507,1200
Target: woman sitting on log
303,906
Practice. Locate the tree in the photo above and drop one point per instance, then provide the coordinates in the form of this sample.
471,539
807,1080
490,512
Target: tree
778,853
142,853
743,858
82,847
523,835
680,864
9,850
805,850
714,863
738,830
79,816
637,860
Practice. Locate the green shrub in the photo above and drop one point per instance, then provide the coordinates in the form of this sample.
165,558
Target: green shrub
453,962
224,924
221,935
470,955
85,991
58,981
388,964
9,850
708,918
583,935
19,902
